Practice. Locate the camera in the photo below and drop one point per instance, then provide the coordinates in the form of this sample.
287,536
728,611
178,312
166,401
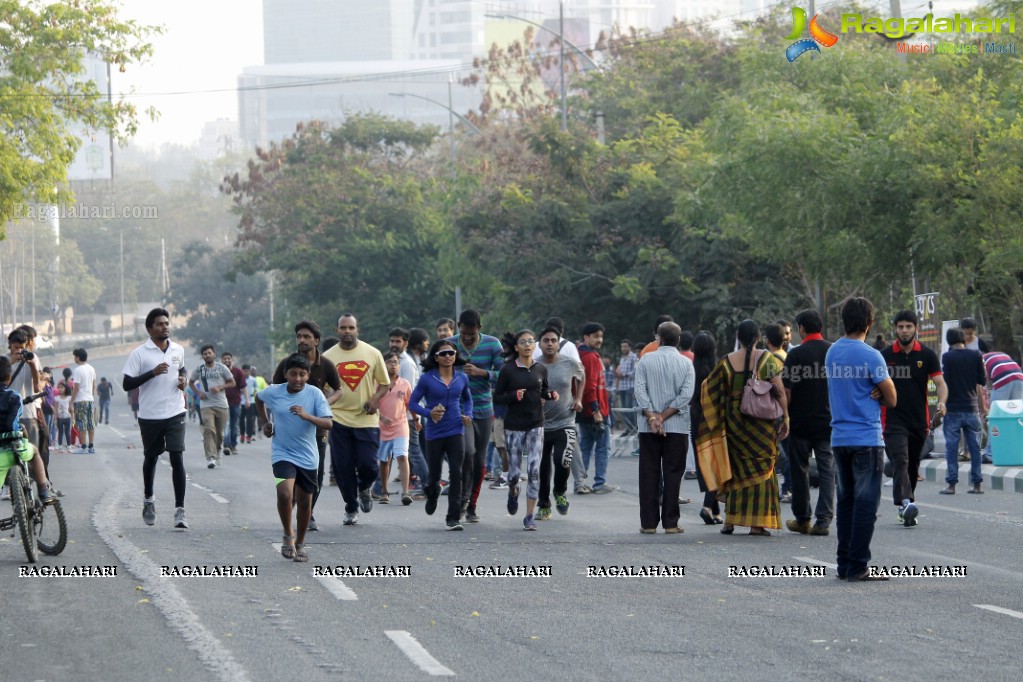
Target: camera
27,355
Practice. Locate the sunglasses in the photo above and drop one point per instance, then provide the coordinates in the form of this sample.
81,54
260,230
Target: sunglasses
527,342
444,353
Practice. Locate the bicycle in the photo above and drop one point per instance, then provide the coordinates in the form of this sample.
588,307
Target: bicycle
41,526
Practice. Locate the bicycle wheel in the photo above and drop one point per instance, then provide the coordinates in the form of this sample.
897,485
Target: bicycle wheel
17,483
49,527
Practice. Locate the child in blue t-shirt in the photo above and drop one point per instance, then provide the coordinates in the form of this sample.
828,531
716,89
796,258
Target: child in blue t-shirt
297,410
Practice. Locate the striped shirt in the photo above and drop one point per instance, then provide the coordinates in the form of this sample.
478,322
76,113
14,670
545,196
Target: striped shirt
1001,369
486,355
627,369
664,379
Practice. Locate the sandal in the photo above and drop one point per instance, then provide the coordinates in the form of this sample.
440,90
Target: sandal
763,532
287,547
301,555
727,529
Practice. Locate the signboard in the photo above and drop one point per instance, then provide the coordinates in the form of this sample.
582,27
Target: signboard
928,327
94,158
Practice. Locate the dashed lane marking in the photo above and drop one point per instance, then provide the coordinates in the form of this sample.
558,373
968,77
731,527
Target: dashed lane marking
999,609
817,562
418,654
334,585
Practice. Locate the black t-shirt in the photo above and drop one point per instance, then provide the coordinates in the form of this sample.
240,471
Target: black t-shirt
804,376
910,373
964,371
525,414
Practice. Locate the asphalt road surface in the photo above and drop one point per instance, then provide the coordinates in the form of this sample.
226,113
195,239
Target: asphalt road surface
287,623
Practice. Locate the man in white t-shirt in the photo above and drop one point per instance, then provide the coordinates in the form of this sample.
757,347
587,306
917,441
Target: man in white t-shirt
157,369
82,398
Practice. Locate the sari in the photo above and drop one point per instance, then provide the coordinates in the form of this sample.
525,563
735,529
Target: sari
745,445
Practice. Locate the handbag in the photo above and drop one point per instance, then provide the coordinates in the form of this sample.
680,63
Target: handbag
758,400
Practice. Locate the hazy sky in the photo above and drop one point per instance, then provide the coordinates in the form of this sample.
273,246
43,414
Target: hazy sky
205,45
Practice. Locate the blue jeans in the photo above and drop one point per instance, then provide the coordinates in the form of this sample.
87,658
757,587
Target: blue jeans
234,413
595,441
104,410
1011,391
969,423
858,477
628,401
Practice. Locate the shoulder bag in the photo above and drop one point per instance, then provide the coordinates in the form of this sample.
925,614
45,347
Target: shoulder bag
758,400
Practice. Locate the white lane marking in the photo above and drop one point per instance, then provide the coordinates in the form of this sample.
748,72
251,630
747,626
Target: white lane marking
816,562
336,587
954,510
999,609
417,654
218,498
163,594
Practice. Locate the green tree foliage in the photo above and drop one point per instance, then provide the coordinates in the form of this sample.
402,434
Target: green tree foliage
42,45
226,309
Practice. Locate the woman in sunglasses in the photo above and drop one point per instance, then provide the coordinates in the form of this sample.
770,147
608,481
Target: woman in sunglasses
447,411
522,386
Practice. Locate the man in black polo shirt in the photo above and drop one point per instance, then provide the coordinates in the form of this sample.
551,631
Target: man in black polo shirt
911,366
323,375
810,429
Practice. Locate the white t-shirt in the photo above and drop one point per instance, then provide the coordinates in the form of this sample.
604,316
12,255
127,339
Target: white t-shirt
84,376
160,397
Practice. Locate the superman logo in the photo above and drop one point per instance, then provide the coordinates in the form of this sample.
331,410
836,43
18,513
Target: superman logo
351,373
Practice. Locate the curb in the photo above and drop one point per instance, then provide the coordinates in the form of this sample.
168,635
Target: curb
1009,479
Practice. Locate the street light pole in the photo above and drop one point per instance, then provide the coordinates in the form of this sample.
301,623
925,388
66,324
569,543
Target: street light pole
451,111
560,34
561,65
122,285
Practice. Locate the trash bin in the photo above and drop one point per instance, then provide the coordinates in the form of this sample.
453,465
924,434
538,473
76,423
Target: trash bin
1005,421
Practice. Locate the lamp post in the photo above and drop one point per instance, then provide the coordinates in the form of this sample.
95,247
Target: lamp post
560,35
452,114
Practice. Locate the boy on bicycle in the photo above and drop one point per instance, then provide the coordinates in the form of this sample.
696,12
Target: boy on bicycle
12,438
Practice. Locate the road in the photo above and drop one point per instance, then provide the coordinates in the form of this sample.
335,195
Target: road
286,623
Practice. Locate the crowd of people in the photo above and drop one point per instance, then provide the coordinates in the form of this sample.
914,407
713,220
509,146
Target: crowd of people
536,408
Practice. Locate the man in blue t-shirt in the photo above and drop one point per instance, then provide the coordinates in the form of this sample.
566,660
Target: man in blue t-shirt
298,409
858,383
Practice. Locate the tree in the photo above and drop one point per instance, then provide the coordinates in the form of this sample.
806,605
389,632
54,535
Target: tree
346,216
226,309
42,92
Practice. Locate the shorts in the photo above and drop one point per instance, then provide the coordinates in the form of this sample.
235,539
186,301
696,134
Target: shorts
304,478
497,433
19,447
389,449
162,435
84,417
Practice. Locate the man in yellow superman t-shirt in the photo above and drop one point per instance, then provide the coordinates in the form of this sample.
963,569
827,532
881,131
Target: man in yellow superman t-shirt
355,434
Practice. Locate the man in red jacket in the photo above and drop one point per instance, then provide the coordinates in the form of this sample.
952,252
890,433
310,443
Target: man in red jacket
594,435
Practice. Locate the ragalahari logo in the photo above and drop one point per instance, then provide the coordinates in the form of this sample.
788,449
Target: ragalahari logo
818,35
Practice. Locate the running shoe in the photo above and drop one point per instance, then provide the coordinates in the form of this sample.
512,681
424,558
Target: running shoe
499,484
179,518
604,489
406,499
513,499
211,464
431,505
351,518
366,500
561,502
908,513
313,526
528,523
471,516
92,449
149,513
454,525
543,514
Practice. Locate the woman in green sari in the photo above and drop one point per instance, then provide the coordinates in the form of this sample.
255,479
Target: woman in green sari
749,490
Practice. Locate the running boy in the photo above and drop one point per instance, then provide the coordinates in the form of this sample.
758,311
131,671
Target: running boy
394,431
297,410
